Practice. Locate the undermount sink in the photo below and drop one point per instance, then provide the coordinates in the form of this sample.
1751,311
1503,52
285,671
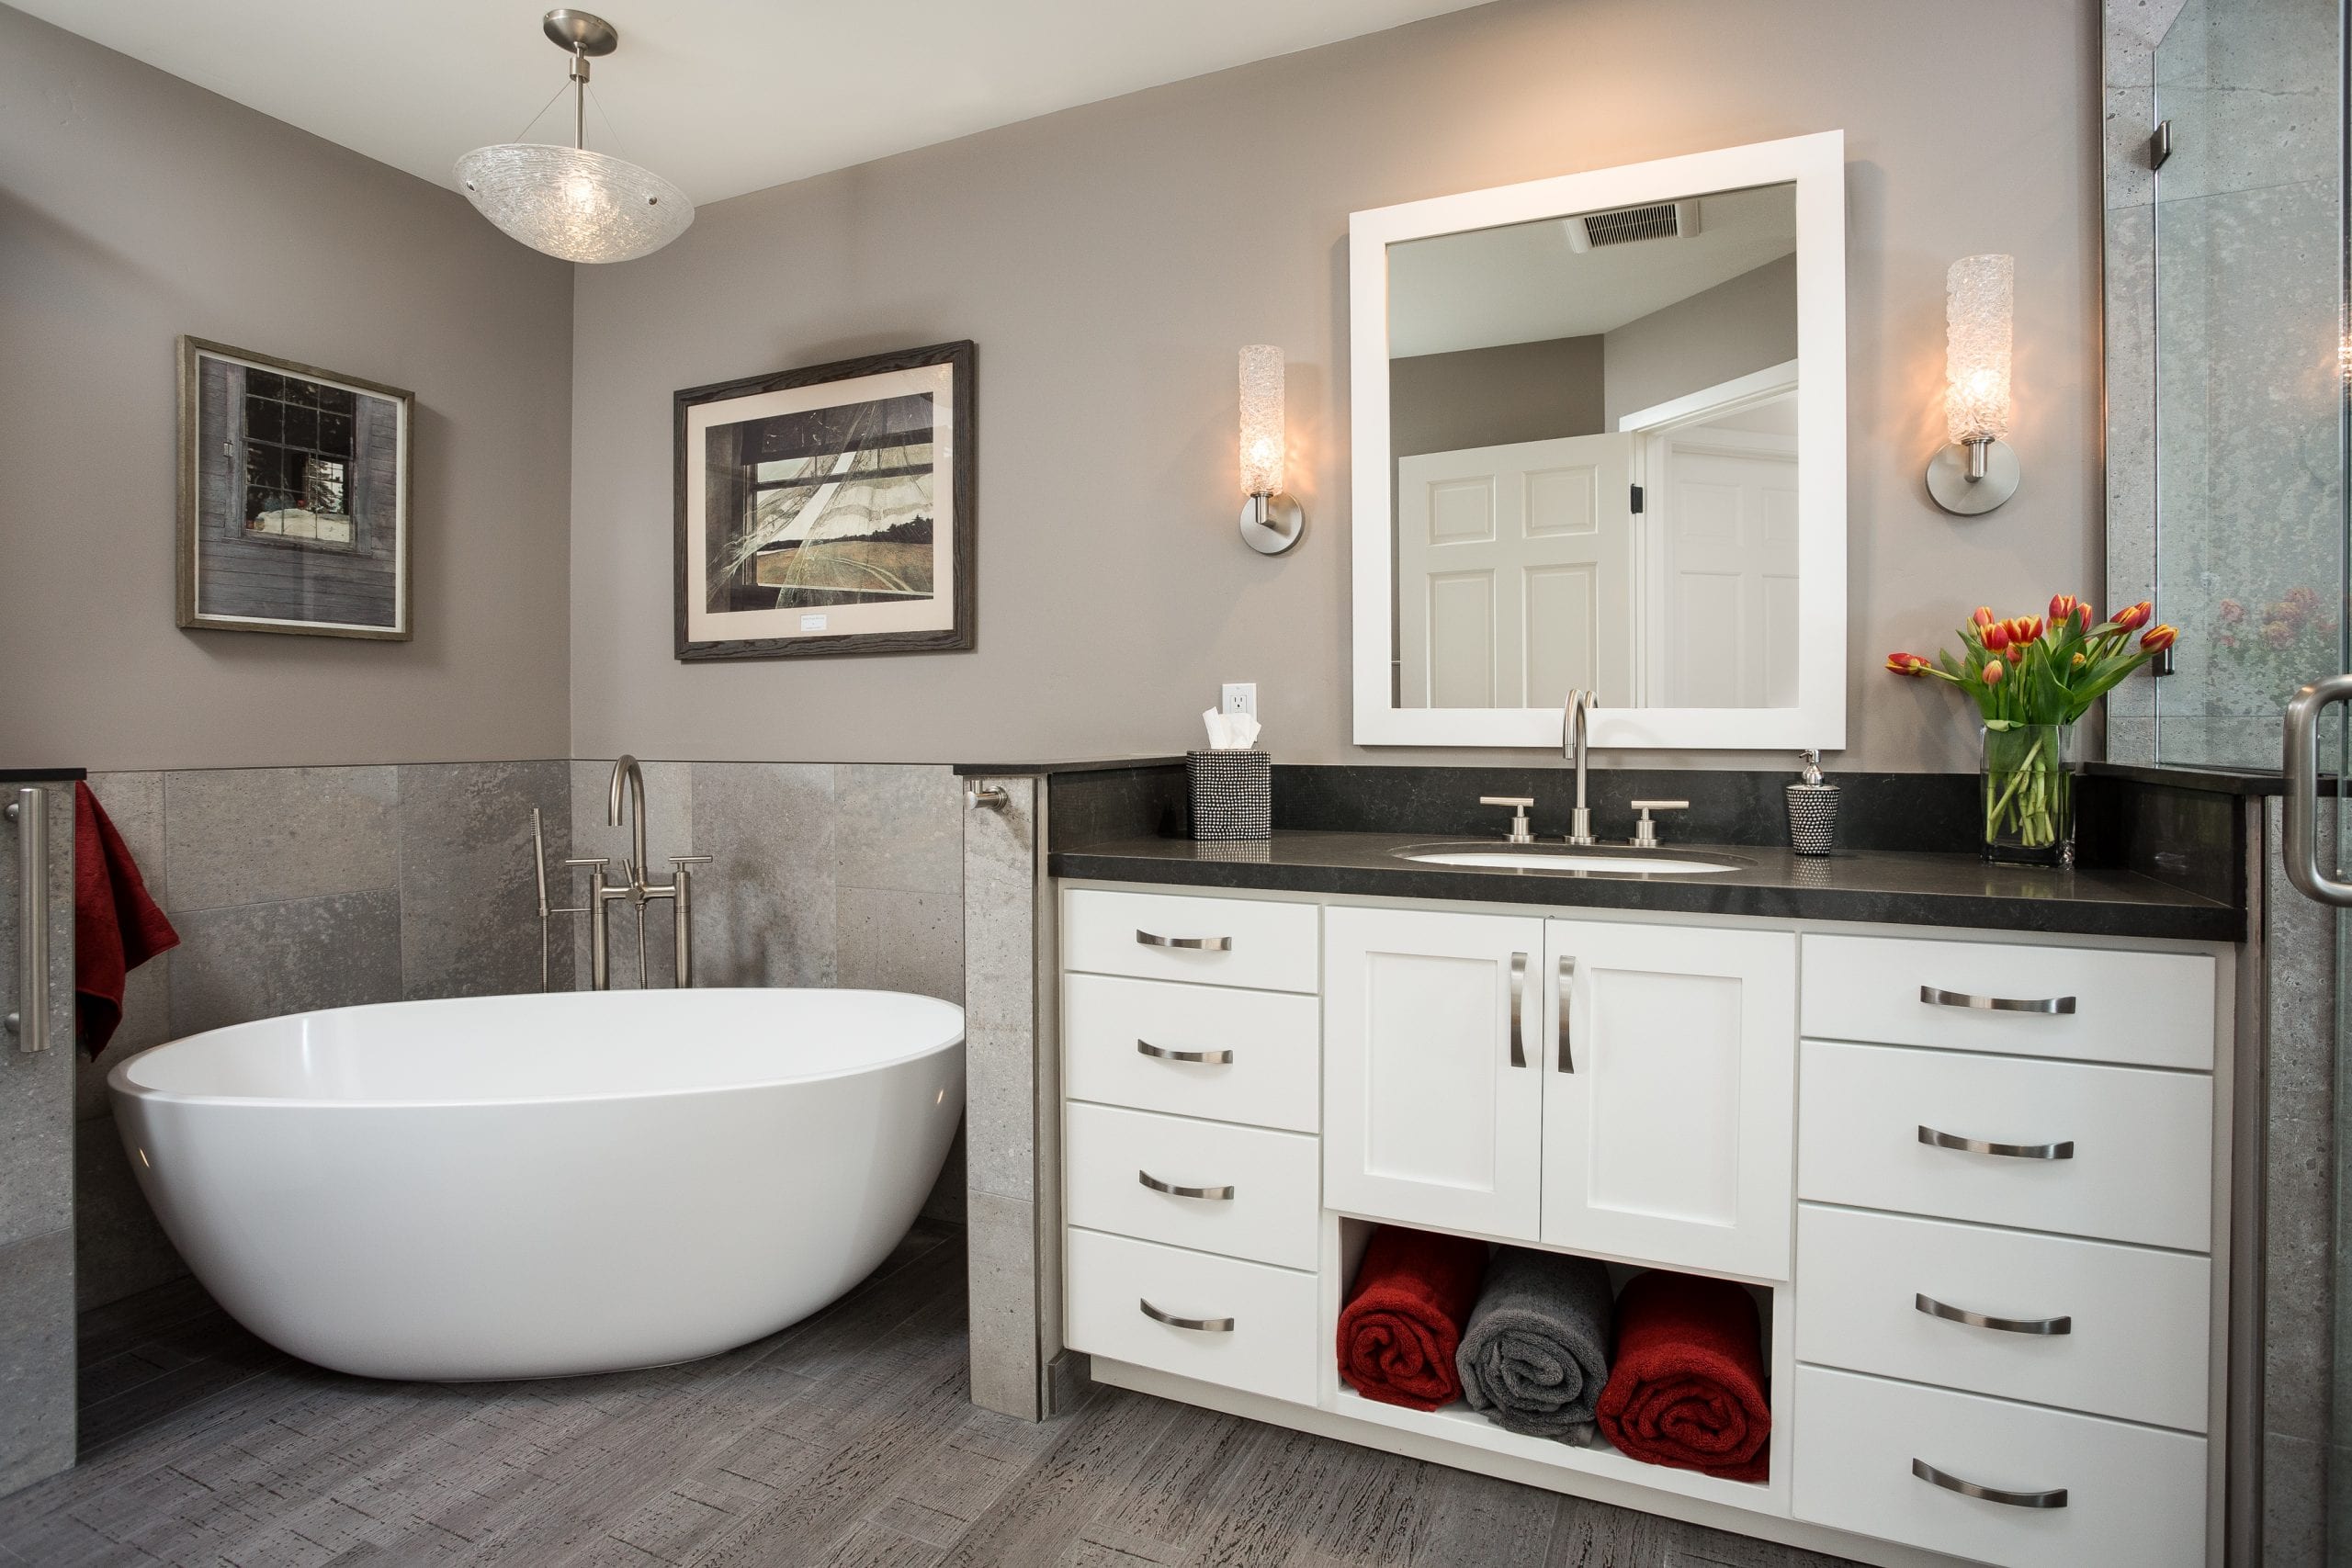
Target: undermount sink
1532,857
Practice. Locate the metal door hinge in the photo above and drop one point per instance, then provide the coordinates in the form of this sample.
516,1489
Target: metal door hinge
2160,144
1638,500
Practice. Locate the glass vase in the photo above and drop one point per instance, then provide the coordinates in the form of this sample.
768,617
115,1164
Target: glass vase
2029,795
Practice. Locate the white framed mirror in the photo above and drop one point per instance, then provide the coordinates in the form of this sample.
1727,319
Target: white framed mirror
1600,442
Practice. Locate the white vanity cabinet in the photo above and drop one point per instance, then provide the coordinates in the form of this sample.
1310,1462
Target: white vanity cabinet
1973,1181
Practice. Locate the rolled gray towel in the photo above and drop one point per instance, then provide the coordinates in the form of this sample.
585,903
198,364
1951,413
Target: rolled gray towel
1536,1351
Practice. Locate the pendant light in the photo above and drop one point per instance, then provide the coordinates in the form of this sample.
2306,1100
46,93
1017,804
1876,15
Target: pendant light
567,201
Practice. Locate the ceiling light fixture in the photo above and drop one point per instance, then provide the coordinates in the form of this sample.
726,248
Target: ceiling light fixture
567,201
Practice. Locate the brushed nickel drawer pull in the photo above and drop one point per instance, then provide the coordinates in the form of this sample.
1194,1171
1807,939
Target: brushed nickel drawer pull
2041,1325
1224,1193
1568,1047
2064,1149
1996,1004
1213,1058
1198,1324
1190,943
1518,1009
2054,1498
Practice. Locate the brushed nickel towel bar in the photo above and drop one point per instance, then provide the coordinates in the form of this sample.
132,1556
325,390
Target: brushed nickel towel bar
29,1023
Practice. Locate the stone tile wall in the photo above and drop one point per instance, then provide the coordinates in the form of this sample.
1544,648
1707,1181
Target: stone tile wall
37,1292
295,888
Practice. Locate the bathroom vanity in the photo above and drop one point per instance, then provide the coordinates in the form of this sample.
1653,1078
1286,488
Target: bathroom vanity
1975,1179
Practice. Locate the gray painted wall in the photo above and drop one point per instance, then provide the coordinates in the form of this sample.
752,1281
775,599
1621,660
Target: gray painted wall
134,208
1736,328
1489,396
1110,259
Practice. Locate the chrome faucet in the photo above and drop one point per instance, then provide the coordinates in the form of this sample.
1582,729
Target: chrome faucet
1573,744
634,887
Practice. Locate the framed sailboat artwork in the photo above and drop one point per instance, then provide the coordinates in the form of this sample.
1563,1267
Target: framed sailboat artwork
829,510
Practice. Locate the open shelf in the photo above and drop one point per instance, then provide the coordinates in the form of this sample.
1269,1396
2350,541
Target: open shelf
1458,1423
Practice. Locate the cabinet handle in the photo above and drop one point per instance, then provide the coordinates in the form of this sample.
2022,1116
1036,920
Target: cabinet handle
1996,1004
1518,1009
2041,1325
1568,1046
1933,1139
1213,1058
2054,1498
1190,943
1225,1194
1198,1324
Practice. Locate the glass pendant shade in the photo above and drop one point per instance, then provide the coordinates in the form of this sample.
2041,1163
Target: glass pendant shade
570,202
1979,300
1262,420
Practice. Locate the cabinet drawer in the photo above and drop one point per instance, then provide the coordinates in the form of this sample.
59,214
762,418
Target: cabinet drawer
1266,1183
1272,1043
2139,1169
2151,1008
1269,1347
1234,942
2136,1321
2133,1495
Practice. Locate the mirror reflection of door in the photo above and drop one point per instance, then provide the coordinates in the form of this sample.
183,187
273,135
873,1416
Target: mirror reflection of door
1593,448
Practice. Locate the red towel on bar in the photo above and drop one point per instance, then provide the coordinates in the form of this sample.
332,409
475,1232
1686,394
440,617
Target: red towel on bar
1687,1388
117,927
1403,1320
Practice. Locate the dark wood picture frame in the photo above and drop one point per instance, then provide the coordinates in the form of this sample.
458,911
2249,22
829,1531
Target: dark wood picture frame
961,463
190,540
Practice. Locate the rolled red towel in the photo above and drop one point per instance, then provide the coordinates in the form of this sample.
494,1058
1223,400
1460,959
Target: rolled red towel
1687,1388
1404,1315
116,926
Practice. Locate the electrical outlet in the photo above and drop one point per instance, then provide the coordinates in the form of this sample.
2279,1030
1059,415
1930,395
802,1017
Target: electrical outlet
1240,697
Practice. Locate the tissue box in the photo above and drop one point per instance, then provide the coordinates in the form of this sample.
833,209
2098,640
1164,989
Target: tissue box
1233,794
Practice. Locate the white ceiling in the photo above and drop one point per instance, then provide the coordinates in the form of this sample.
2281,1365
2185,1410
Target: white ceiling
1522,283
722,96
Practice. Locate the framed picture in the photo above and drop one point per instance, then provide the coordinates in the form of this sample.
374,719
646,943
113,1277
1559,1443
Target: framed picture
294,487
829,510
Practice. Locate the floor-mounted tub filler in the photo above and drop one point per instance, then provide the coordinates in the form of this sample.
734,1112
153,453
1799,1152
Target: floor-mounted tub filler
539,1185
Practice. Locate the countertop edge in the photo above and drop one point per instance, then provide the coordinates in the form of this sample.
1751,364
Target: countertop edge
2071,917
1076,765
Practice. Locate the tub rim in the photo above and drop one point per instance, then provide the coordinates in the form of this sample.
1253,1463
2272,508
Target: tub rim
118,1082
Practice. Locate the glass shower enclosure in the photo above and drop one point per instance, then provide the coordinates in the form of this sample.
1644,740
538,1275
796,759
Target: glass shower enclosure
2229,352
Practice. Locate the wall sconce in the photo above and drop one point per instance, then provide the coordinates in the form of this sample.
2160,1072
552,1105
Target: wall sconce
1978,470
1271,520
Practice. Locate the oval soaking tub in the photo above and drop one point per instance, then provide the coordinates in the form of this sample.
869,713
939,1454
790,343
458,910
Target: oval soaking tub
536,1186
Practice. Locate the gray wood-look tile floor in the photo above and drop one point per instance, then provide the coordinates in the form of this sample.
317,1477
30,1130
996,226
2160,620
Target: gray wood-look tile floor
845,1440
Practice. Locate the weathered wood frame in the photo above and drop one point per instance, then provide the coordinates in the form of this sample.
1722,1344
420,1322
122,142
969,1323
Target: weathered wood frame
189,530
963,466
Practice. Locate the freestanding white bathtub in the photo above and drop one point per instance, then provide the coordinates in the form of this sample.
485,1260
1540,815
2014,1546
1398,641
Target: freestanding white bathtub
535,1186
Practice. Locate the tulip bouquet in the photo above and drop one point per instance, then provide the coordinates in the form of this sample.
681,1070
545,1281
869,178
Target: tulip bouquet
2031,679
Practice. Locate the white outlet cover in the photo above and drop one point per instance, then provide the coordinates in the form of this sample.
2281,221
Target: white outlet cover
1240,697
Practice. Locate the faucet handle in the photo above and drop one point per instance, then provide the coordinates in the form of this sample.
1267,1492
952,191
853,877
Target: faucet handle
689,860
1645,831
1519,832
598,860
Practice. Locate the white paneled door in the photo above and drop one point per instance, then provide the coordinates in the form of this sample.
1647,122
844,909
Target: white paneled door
1433,1055
1669,1094
1727,525
1515,574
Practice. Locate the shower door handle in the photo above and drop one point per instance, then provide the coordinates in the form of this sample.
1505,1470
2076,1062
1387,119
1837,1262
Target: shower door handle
29,1023
2301,764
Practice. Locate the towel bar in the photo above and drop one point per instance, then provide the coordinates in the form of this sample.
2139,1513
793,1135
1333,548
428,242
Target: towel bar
29,1023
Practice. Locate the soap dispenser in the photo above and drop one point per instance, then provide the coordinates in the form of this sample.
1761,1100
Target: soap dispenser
1813,809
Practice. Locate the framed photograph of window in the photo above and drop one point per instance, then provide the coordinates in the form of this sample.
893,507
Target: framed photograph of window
294,485
829,510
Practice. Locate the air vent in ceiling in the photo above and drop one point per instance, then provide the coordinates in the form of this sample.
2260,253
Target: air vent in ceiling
1630,225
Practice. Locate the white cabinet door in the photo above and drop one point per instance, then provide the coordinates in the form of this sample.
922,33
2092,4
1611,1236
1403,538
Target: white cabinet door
1669,1094
1432,1097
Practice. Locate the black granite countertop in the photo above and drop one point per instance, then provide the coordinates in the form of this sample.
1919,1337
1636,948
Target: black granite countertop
1880,885
41,775
1068,765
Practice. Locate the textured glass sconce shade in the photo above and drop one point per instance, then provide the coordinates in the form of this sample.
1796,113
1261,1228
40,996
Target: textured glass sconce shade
1977,471
1262,420
570,202
1980,295
1271,520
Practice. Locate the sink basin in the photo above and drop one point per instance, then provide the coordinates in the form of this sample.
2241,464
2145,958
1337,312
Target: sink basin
1534,857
